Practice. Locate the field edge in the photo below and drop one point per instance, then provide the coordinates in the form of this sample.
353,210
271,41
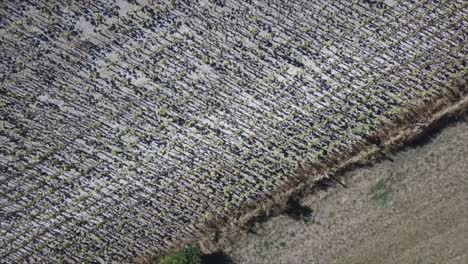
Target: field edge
414,123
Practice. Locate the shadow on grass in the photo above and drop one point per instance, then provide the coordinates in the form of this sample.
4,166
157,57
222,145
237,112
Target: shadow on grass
217,257
296,211
435,130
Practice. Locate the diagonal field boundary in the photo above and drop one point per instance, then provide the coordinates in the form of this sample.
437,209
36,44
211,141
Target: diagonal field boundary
129,128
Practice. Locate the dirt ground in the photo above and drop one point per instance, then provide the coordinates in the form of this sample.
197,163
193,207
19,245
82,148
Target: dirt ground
409,208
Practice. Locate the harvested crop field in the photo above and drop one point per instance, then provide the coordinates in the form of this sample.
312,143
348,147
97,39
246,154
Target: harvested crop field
131,127
409,208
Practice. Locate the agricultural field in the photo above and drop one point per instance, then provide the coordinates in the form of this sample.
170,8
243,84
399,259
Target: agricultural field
126,125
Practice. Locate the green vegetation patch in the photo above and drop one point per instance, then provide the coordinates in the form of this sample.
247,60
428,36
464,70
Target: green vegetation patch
188,255
381,193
